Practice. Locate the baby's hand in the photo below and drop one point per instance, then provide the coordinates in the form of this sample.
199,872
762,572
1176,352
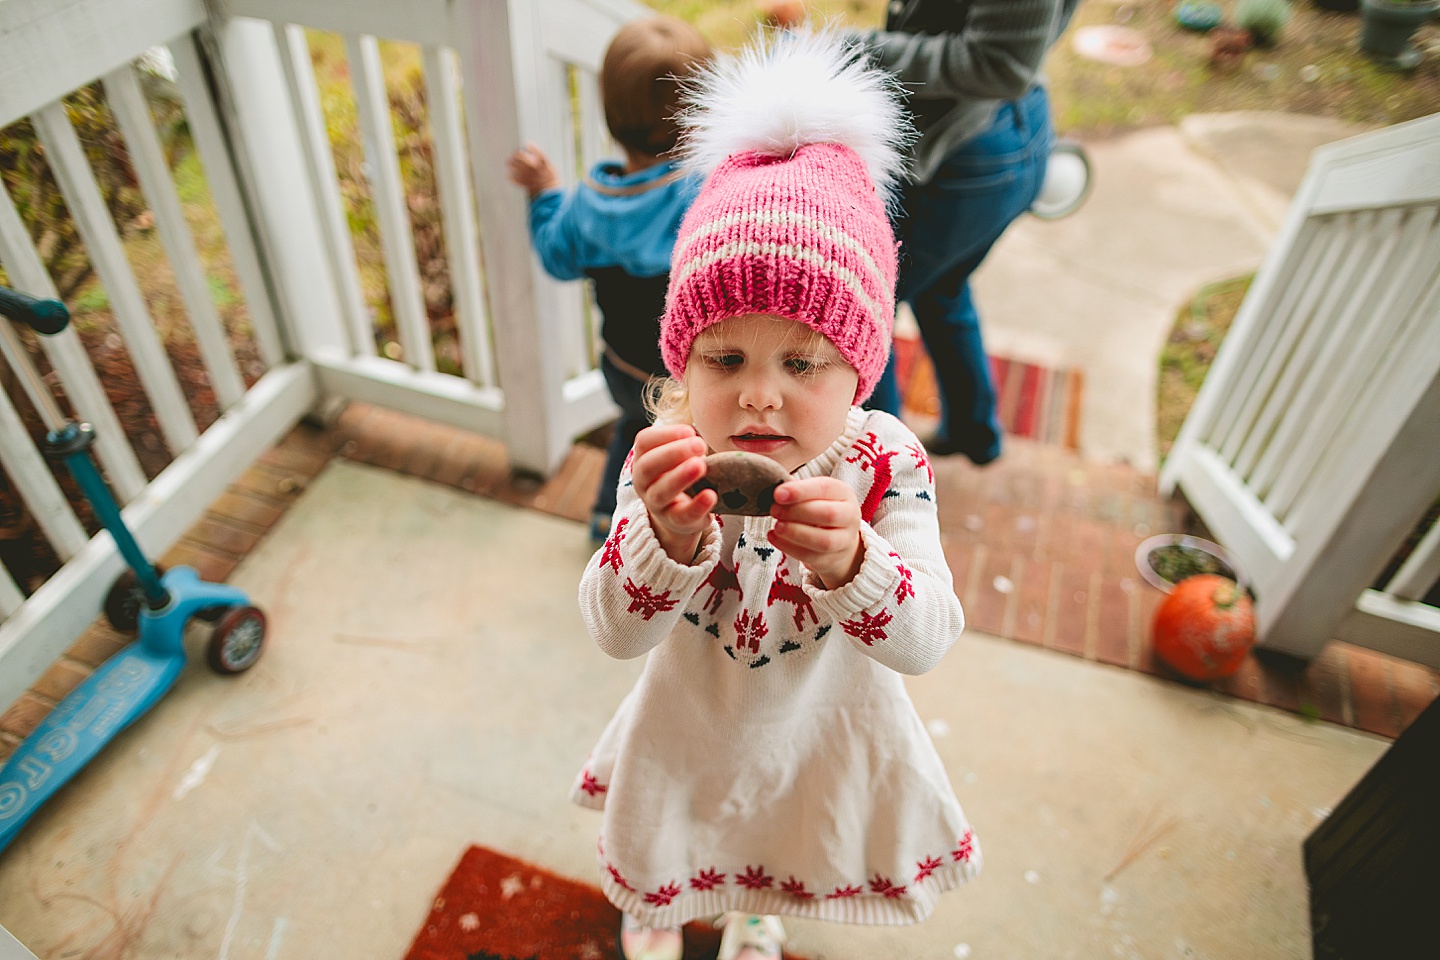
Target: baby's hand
818,523
531,169
668,460
784,14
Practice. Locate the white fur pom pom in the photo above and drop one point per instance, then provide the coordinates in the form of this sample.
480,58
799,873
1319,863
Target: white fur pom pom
791,89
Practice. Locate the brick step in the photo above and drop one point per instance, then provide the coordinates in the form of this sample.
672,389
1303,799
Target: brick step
1042,548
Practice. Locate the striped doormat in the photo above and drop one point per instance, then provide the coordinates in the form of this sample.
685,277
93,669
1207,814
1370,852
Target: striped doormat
1035,402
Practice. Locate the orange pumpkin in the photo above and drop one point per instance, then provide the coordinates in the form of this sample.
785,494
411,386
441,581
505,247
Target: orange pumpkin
1205,627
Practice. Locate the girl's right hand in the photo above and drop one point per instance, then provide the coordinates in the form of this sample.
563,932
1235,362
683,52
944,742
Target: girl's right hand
668,461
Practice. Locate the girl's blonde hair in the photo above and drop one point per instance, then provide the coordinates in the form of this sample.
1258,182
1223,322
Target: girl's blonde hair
667,401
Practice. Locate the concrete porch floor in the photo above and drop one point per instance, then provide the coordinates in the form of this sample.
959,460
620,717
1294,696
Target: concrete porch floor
429,685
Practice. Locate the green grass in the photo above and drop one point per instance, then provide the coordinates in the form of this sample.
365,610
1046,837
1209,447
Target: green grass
1200,328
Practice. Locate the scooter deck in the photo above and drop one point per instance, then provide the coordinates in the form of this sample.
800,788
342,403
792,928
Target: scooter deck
114,696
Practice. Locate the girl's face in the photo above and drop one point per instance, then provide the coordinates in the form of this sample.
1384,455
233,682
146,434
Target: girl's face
768,385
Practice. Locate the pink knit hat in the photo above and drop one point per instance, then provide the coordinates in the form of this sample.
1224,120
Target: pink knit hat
801,143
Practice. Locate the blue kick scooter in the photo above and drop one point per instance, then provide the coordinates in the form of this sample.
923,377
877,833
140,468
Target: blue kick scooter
159,603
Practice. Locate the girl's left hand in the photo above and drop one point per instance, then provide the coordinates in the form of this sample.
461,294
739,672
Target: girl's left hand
818,523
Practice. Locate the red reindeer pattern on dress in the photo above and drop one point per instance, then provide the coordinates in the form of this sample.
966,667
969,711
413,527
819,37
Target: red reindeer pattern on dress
720,579
663,896
646,603
707,879
786,591
874,457
749,631
610,556
796,888
906,587
926,867
918,452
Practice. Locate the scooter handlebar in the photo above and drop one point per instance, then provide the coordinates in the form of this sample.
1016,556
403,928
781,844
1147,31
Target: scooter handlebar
43,316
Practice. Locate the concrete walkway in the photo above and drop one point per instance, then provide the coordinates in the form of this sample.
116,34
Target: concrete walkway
429,685
1172,209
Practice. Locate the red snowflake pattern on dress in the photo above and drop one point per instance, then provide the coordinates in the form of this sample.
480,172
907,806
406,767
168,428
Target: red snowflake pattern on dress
885,886
590,785
796,888
906,588
965,847
748,632
629,460
720,579
707,879
872,456
618,877
918,452
926,867
787,591
867,628
663,896
755,878
610,555
645,603
841,893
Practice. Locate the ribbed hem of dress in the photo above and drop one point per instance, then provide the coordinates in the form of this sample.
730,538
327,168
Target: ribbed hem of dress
872,909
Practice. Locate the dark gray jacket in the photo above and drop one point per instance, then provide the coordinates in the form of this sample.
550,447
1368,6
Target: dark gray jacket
959,59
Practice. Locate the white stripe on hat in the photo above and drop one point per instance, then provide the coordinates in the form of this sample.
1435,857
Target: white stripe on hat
794,252
771,218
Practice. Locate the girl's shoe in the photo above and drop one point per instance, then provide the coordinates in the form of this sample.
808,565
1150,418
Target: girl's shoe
748,937
639,942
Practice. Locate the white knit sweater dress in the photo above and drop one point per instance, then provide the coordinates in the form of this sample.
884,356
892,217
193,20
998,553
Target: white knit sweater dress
768,759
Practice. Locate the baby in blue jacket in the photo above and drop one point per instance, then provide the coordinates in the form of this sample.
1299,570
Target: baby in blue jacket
618,226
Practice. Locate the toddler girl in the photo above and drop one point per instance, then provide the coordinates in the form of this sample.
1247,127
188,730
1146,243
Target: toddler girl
768,760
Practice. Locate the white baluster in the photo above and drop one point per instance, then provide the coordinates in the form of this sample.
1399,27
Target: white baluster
457,204
102,242
68,358
397,241
147,158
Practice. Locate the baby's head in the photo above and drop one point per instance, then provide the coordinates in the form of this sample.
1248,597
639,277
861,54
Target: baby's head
641,79
800,142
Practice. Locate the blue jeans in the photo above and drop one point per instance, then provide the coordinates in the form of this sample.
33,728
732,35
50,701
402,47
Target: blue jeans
947,226
629,395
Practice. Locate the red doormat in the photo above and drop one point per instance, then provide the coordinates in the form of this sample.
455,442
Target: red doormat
494,907
1035,402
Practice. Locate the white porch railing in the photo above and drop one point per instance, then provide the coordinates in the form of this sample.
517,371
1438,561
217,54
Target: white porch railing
496,73
529,360
1313,449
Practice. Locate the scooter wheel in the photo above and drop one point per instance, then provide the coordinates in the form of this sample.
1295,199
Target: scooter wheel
125,601
237,641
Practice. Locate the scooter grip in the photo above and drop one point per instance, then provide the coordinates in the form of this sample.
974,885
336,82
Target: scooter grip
44,316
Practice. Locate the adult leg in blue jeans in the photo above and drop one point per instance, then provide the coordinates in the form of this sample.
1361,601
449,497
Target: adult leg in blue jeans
629,395
949,224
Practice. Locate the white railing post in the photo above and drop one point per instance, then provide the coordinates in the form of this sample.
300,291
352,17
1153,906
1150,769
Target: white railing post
265,138
1310,451
496,40
1329,572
